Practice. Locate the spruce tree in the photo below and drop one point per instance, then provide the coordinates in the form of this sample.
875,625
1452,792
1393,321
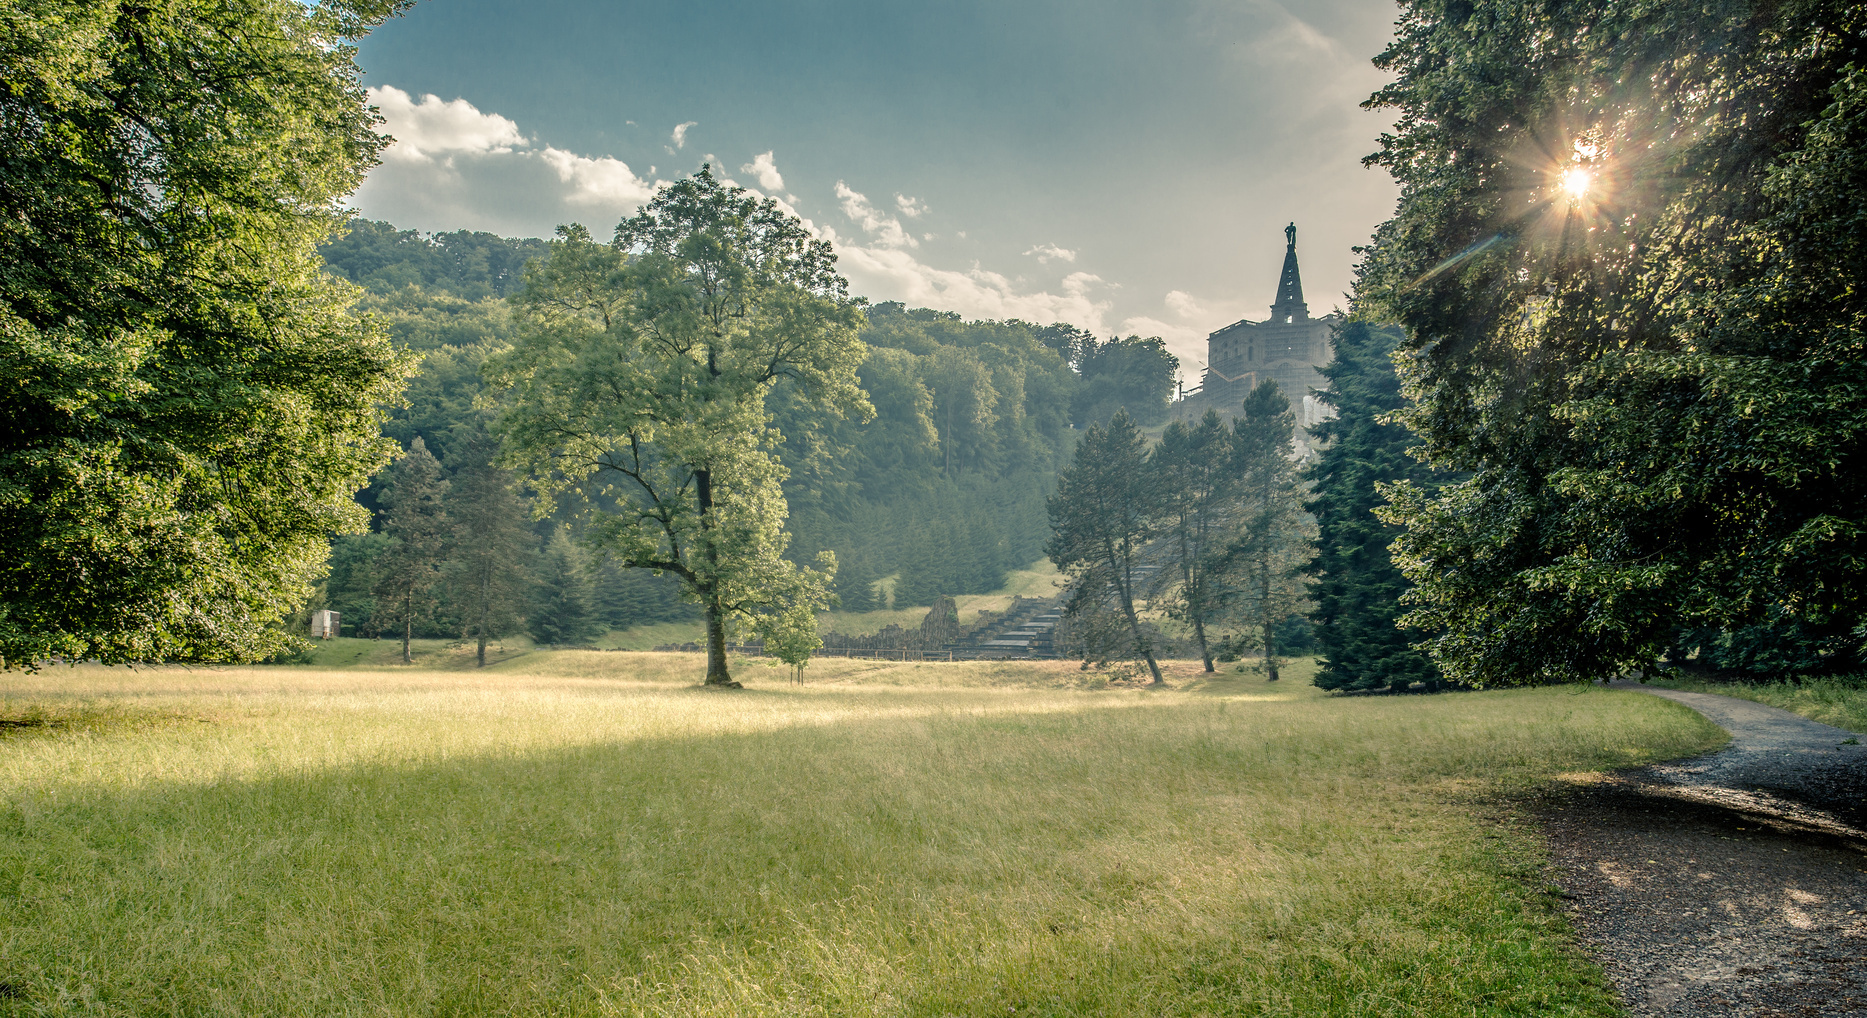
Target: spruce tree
1358,586
1105,511
564,602
1267,557
1193,468
491,538
416,521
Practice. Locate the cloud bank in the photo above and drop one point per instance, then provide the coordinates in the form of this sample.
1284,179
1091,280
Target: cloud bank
453,166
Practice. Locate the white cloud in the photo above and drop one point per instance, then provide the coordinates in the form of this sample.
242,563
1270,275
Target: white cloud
884,273
1046,252
603,182
913,208
679,137
885,229
765,169
453,167
433,127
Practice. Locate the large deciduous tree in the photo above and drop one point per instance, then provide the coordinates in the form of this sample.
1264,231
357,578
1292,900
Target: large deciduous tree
1628,255
640,386
1104,513
189,403
1358,586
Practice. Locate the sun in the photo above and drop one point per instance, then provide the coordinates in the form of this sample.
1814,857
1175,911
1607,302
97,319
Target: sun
1575,180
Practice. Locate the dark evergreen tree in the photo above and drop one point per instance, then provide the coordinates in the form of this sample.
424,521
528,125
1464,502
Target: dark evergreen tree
1105,511
1194,471
415,520
1358,585
564,602
855,584
1267,557
491,542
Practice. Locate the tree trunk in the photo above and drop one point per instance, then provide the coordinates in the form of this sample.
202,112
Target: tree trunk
482,648
1199,633
1140,642
1270,651
717,674
408,629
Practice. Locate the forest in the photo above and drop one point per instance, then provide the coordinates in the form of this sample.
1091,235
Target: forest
941,493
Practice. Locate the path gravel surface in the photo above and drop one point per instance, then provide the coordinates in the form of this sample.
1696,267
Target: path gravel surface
1731,884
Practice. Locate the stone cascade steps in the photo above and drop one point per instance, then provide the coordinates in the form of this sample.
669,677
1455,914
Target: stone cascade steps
1025,632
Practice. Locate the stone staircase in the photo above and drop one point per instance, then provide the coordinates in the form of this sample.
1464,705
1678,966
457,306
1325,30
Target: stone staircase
1026,630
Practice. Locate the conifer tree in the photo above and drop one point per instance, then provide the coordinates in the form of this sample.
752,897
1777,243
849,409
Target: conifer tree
1105,511
855,583
416,522
1194,471
564,602
491,539
1358,585
1273,541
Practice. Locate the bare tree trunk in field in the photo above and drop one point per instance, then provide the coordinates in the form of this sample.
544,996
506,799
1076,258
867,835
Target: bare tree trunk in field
1270,651
482,657
408,628
717,675
1199,633
1134,626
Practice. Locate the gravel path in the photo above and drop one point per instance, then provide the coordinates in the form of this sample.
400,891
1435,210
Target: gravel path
1731,884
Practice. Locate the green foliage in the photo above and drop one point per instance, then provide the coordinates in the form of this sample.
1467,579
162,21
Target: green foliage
1132,374
487,572
463,264
639,388
1656,386
1272,548
1358,587
190,403
1193,468
1106,509
564,601
415,522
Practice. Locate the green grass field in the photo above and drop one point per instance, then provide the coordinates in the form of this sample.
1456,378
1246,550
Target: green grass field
1833,700
586,833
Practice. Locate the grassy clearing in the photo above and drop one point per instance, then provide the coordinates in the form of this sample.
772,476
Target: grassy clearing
585,833
1837,700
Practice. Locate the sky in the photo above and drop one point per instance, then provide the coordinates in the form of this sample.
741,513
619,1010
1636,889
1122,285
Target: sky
1124,167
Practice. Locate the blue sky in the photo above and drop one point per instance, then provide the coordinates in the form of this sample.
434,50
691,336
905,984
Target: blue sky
1127,167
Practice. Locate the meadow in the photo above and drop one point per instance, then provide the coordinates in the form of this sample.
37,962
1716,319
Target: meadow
587,833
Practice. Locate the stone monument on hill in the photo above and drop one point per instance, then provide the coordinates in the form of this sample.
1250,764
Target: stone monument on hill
1288,348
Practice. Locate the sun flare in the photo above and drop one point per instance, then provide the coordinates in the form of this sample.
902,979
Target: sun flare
1576,180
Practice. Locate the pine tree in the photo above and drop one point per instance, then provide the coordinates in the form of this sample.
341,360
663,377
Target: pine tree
1105,511
491,538
416,520
1273,542
1358,586
564,602
855,583
1194,471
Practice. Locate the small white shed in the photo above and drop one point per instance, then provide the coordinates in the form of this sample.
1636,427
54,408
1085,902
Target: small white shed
325,625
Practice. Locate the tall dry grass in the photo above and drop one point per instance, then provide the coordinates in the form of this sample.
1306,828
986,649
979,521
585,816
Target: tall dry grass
588,834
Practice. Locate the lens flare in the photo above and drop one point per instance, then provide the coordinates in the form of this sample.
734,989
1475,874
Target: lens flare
1576,180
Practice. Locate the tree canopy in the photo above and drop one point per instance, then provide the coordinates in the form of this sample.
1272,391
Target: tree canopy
1628,256
640,388
190,403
